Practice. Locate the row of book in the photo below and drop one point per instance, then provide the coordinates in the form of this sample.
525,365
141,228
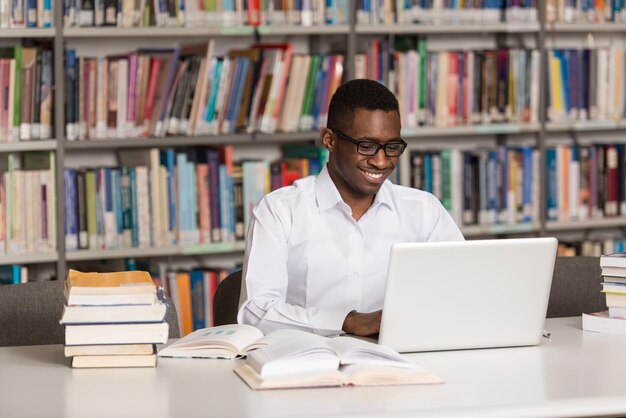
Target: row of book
584,11
486,187
446,12
585,182
590,247
501,185
191,91
192,292
180,13
26,81
161,198
26,14
113,319
586,84
27,203
13,274
452,88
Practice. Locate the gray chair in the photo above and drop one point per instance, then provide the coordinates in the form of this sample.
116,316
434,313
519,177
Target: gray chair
576,286
226,299
30,313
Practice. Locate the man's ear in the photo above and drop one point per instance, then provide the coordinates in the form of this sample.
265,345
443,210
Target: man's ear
327,138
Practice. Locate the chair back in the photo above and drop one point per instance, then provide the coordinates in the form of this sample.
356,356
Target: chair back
30,314
226,299
576,287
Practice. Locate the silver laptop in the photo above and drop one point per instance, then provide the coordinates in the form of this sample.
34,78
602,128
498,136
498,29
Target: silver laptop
467,294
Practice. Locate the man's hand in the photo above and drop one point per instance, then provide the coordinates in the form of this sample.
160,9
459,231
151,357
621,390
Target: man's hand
362,324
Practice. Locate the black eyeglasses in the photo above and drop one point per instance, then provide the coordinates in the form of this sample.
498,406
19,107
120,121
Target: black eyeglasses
371,148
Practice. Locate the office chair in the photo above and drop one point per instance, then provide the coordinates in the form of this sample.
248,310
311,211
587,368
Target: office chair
30,314
576,286
226,299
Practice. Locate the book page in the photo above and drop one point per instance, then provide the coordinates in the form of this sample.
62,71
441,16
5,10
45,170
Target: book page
356,351
224,341
298,352
367,375
308,379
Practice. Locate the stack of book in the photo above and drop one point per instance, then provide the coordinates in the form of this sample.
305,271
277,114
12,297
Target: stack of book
613,320
113,319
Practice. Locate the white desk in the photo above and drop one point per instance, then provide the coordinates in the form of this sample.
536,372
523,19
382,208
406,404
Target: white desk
575,374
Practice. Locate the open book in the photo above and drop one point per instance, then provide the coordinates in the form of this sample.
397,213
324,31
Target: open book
226,341
298,359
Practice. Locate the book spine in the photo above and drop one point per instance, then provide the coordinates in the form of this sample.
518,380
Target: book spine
71,216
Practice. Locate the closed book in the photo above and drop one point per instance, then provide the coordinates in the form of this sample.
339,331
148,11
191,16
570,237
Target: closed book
150,333
615,300
613,260
131,287
109,314
617,312
614,288
108,349
84,362
602,322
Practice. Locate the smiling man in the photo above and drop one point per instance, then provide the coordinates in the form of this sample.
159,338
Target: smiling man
317,251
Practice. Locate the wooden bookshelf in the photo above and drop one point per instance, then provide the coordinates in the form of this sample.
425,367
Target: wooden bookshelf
355,35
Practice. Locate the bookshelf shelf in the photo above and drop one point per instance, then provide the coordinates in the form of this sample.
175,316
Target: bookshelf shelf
27,33
606,27
286,137
215,31
407,29
29,259
304,30
170,141
356,36
616,222
504,229
21,146
488,129
584,126
201,249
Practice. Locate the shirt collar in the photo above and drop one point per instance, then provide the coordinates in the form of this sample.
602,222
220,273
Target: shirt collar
328,196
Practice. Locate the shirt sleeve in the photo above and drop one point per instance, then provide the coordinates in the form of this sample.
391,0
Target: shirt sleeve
263,300
444,227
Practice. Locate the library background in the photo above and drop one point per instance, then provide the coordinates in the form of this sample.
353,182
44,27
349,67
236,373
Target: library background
139,134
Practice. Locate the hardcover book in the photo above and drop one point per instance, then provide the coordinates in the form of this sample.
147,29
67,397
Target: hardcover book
128,287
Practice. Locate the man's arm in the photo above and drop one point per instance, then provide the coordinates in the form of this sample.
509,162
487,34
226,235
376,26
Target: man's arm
362,324
263,301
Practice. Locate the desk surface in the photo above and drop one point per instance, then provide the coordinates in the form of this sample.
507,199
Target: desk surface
574,374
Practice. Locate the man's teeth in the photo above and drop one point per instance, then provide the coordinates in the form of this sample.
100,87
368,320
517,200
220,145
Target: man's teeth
372,175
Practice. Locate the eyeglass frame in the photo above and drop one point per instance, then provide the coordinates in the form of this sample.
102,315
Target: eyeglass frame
379,146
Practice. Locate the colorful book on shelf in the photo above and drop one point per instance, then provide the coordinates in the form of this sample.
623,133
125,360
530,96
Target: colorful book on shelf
248,84
273,108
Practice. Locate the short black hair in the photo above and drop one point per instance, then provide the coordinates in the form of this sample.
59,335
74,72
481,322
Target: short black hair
359,94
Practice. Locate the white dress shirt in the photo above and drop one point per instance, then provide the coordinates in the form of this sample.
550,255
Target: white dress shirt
308,263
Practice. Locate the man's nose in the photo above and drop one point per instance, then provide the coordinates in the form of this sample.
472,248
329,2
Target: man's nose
380,159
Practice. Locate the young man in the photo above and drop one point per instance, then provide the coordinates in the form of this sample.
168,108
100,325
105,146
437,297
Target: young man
317,251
